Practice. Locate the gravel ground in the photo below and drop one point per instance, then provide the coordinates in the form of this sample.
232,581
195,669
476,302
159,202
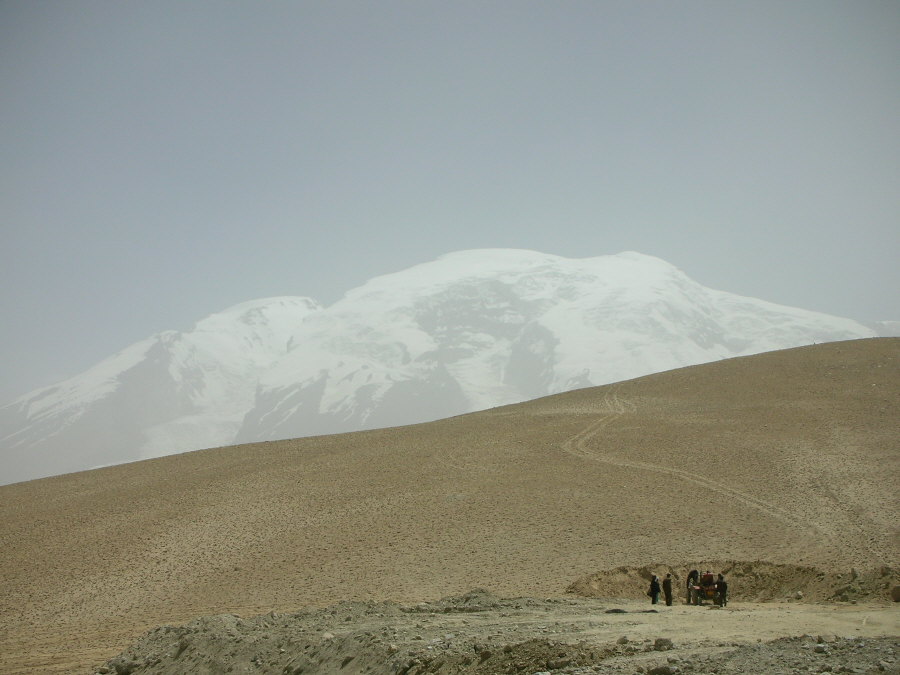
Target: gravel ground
480,633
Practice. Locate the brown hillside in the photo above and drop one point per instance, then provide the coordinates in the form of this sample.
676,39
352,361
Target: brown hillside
789,457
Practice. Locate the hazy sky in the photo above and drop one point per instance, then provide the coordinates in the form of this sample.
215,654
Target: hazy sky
164,160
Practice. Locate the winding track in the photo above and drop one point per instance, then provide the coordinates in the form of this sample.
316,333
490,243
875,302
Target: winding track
613,408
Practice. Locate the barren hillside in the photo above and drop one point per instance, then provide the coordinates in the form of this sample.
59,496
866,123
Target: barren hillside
788,457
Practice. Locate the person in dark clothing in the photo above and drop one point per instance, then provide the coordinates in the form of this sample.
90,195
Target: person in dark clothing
692,578
667,589
721,591
654,590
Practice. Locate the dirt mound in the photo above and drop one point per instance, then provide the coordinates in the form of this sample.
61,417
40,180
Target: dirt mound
479,633
477,600
355,637
756,581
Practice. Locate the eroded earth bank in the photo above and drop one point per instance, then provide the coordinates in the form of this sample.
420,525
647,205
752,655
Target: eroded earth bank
479,632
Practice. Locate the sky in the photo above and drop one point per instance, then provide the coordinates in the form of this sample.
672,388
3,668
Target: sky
162,161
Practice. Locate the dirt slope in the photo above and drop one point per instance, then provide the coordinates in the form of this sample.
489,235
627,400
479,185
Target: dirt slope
789,457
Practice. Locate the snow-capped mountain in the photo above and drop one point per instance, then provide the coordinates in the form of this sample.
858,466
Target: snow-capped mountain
169,393
476,329
469,331
886,328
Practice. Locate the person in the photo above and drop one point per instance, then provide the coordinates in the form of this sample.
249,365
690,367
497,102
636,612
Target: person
654,590
721,591
692,578
667,589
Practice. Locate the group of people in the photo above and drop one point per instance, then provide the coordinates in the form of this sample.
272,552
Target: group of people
655,588
693,578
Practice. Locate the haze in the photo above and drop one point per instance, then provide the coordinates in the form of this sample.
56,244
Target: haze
163,161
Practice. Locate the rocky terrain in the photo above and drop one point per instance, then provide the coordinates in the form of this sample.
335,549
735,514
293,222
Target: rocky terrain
480,633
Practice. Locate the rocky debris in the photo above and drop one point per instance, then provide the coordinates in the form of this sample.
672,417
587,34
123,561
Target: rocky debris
476,633
800,655
662,670
476,600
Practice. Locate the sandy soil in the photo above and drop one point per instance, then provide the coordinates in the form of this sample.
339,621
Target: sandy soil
790,458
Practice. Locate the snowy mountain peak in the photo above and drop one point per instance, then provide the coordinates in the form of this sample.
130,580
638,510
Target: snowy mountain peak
505,266
265,315
476,329
469,330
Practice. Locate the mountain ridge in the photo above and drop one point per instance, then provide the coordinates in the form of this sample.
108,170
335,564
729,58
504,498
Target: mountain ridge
467,331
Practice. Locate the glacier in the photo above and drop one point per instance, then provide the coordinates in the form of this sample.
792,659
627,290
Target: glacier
468,331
